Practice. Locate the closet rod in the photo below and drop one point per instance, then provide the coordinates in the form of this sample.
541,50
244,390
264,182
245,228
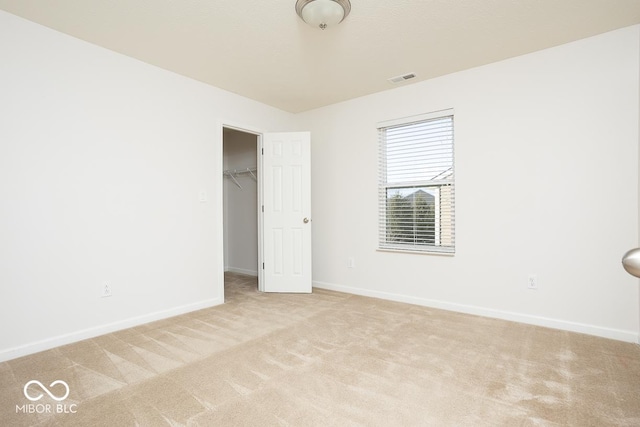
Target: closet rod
232,173
239,171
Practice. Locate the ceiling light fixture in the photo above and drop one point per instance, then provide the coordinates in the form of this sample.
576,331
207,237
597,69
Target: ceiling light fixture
323,13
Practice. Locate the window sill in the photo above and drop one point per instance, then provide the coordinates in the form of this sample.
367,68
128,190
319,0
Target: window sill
416,252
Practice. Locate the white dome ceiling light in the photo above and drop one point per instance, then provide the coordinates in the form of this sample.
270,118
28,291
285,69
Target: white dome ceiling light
323,13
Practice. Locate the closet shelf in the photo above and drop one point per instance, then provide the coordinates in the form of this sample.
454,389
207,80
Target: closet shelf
234,173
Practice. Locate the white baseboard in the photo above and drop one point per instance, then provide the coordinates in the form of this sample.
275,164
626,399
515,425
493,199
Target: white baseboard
615,334
242,271
49,343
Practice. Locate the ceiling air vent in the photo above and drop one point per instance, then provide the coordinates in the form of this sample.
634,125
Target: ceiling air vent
402,78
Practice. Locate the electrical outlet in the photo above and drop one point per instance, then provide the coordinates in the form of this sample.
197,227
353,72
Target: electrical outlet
351,263
532,282
105,290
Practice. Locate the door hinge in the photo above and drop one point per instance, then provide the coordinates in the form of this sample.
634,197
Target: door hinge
263,151
263,208
263,265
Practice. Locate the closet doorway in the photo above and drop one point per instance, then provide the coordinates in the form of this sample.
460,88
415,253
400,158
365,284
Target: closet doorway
240,190
267,215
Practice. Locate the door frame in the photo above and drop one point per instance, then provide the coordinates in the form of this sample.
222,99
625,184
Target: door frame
219,191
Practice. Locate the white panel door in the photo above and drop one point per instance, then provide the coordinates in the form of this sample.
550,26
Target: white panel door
286,197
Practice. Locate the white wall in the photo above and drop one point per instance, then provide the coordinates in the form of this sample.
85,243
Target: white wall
241,204
546,151
102,159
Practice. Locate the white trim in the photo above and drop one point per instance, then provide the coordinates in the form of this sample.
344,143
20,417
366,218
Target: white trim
230,124
415,252
417,118
241,128
84,334
599,331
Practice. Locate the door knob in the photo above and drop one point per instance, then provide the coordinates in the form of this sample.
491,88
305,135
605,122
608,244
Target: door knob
306,220
631,262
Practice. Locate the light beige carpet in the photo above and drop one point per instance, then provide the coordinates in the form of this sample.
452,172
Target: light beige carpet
329,359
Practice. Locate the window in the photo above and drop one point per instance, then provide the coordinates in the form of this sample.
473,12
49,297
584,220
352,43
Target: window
416,189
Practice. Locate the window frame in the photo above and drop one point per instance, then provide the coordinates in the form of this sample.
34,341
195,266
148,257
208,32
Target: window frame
447,181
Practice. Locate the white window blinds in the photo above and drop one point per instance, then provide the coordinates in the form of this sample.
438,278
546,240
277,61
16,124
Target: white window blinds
416,188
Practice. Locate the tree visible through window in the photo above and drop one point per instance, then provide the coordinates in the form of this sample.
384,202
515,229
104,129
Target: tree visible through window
416,184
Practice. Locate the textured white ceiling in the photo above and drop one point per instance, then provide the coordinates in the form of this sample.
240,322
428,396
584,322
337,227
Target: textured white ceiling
262,50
